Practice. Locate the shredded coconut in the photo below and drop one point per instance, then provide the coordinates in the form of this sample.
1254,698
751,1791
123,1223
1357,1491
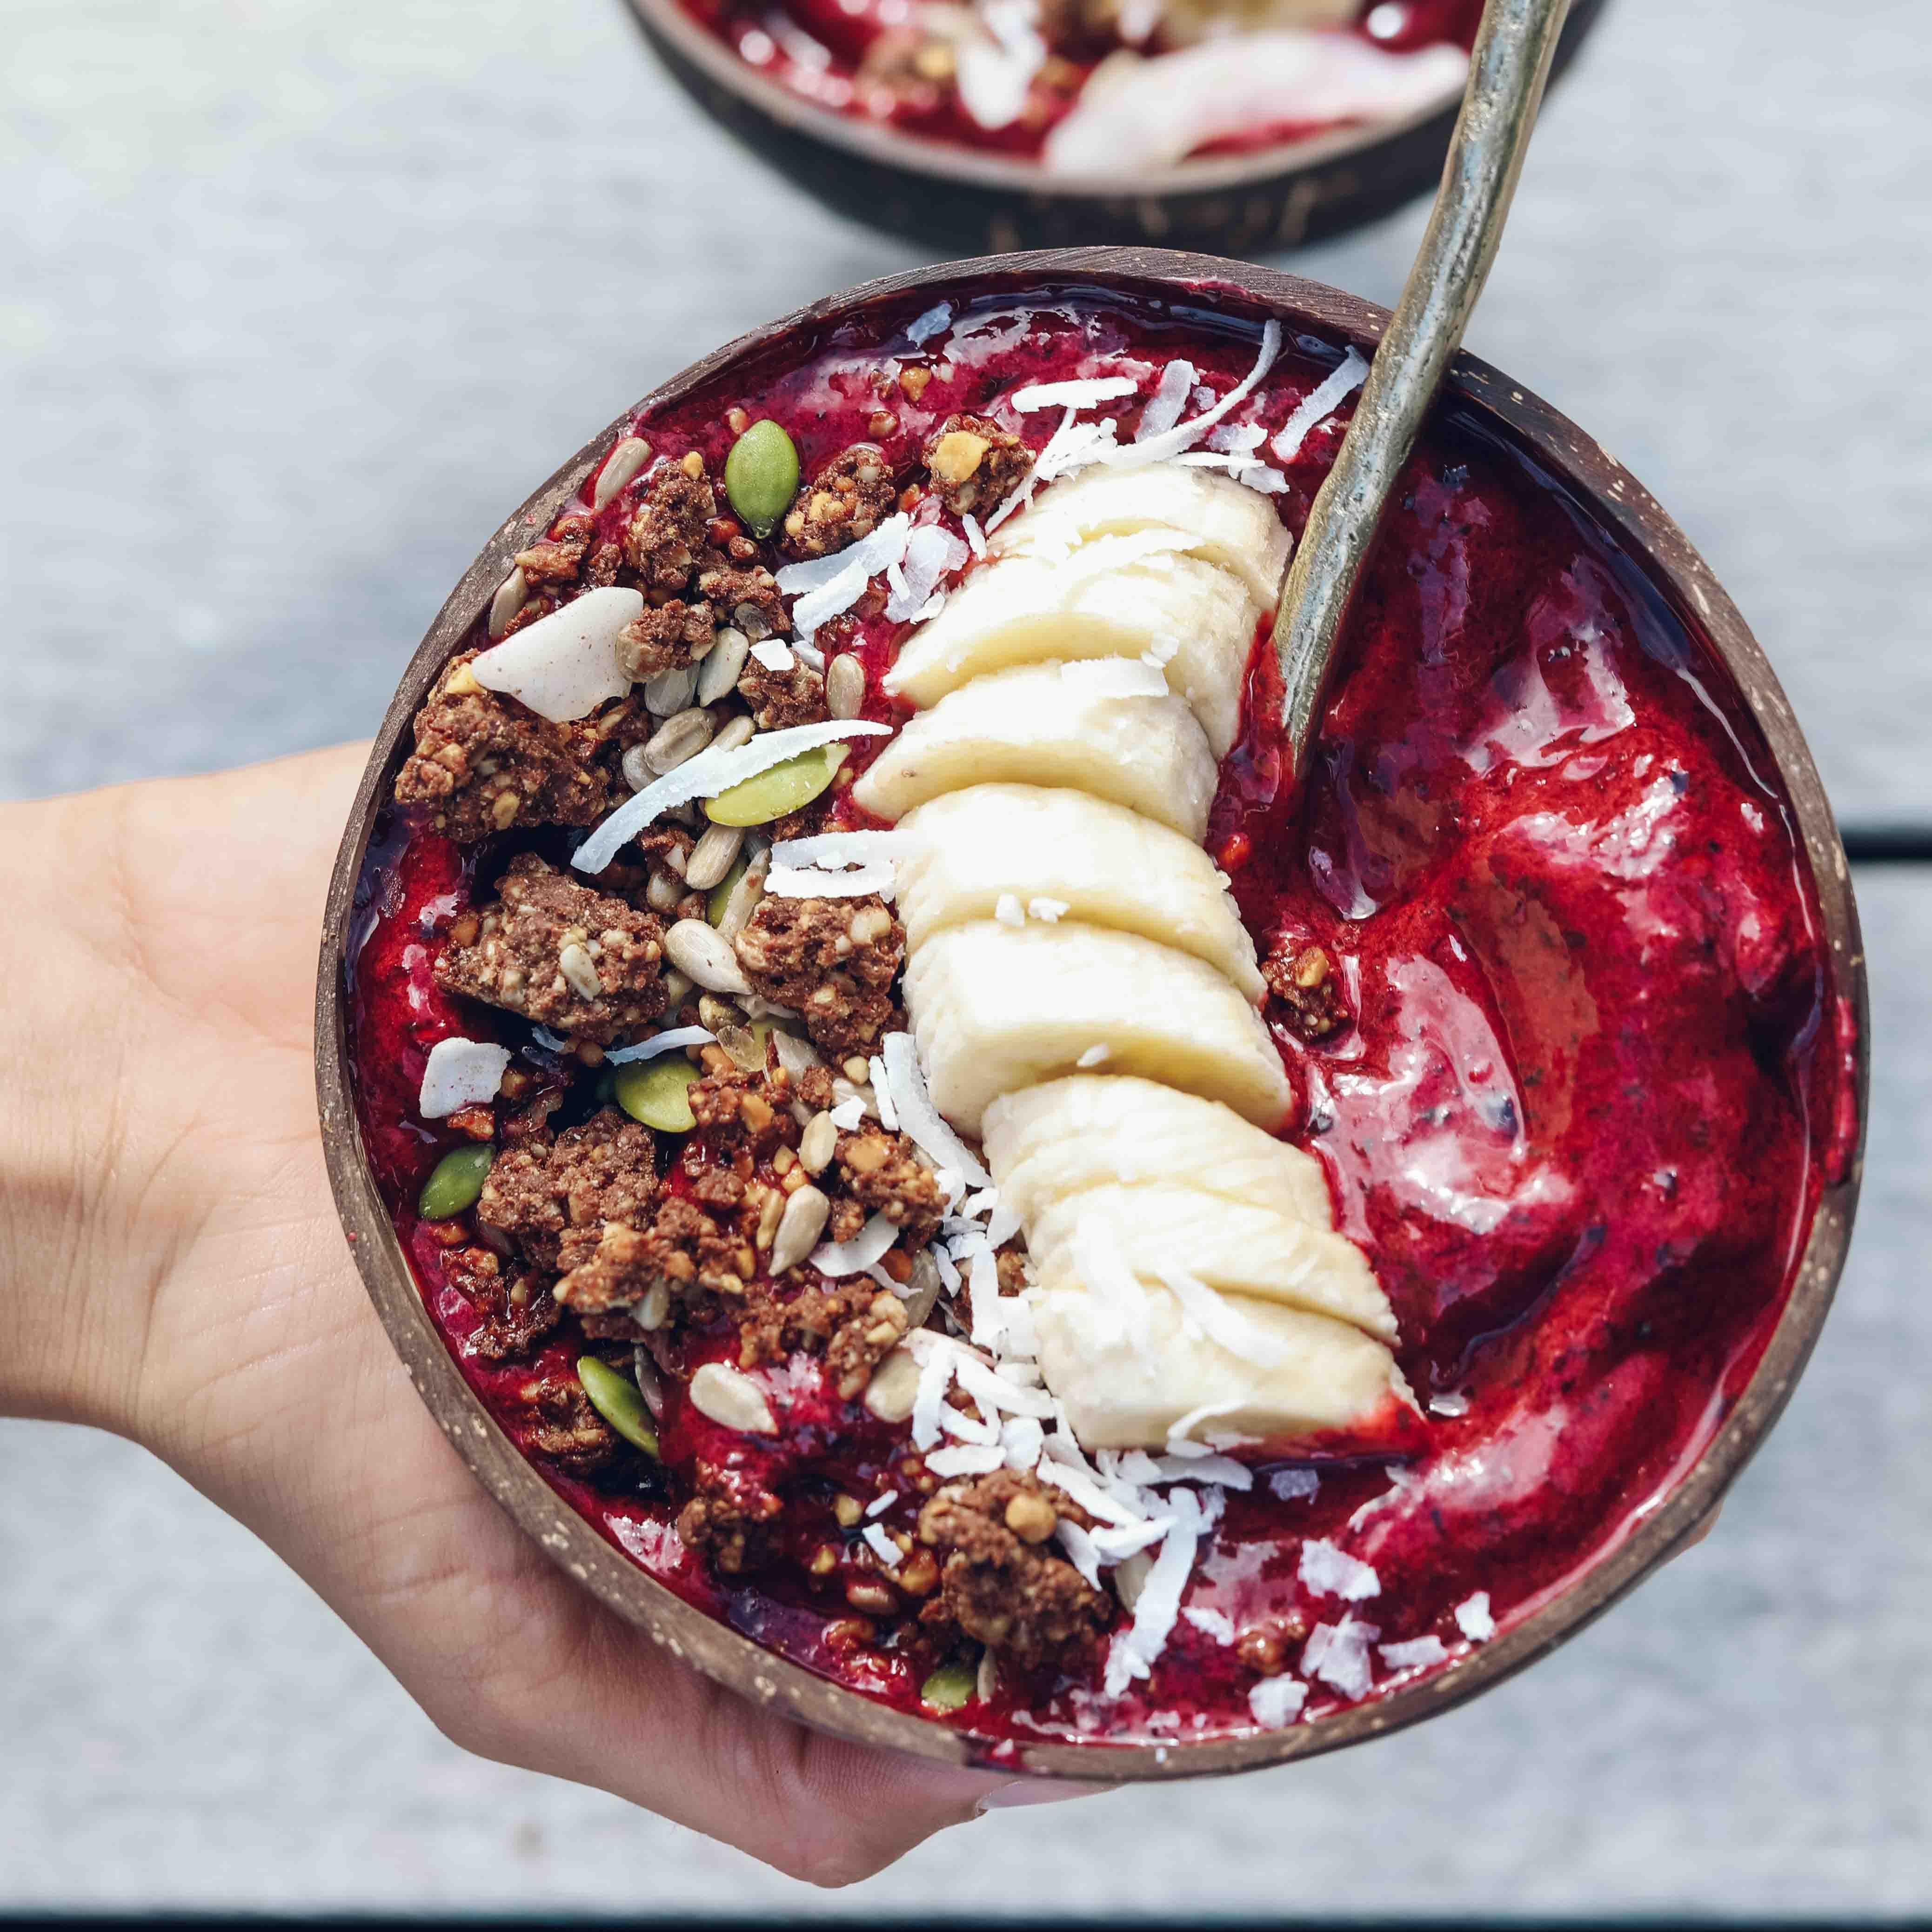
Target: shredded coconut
1213,1623
1338,1654
1094,1055
1081,393
1163,410
711,772
966,1459
935,1376
823,594
919,1119
668,1042
1473,1620
839,1258
1330,1571
808,882
1276,1701
882,1545
1340,383
1008,911
1294,1485
459,1073
1048,911
882,1095
1415,1654
924,328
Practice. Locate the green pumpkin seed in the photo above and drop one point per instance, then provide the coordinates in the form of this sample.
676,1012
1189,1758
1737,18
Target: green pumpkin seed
780,788
458,1180
720,893
616,1399
949,1686
761,476
653,1091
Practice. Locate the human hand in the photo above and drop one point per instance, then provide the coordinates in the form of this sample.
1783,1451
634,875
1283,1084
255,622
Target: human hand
172,1269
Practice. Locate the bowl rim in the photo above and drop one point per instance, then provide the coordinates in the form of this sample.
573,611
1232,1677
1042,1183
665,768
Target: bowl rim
1651,539
880,145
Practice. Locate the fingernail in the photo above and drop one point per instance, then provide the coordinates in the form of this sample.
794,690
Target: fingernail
1035,1791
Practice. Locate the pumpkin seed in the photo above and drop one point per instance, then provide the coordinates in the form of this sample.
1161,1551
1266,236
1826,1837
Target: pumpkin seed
457,1181
617,1401
723,665
779,789
720,893
761,476
654,1092
949,1686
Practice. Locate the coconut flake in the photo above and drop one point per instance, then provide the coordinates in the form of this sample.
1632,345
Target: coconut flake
668,1041
1217,1318
932,553
1049,911
808,882
976,537
1164,410
1094,1056
1008,911
881,1545
1293,1485
564,665
1338,1654
1335,387
1185,435
849,1116
921,1120
1330,1571
775,654
1022,1438
839,1258
1415,1654
460,1072
823,594
1276,1701
935,1375
711,772
924,328
1473,1620
1082,392
882,1095
1134,1650
1211,1623
1223,1469
1080,1550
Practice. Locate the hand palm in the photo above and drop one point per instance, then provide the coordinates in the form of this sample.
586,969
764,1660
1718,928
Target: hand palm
260,1371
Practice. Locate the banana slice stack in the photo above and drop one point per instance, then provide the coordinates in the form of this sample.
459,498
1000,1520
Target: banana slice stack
1083,994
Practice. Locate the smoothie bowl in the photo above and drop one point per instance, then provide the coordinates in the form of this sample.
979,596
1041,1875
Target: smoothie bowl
1244,126
924,1177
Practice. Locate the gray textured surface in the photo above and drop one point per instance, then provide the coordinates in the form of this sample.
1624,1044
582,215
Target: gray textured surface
299,299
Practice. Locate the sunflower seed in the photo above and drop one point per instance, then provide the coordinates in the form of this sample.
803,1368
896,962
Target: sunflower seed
512,596
625,461
922,1289
732,1400
718,672
677,990
844,686
746,1049
695,947
743,900
740,731
806,1214
652,1312
895,1382
676,740
717,1014
663,892
816,1147
713,855
670,692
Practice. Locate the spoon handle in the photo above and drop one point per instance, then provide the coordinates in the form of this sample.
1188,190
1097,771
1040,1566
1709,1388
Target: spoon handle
1507,69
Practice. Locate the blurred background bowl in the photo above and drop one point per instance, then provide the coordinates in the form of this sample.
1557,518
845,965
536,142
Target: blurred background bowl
958,200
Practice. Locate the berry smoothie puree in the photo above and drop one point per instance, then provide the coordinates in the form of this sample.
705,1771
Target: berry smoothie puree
871,59
1589,1082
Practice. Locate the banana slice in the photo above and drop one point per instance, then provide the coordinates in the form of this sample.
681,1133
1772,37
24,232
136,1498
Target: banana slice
1200,512
1116,597
1089,1130
997,1007
1095,863
1036,726
1125,1389
1167,1227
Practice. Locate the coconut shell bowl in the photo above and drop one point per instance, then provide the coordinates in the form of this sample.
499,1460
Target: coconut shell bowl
935,195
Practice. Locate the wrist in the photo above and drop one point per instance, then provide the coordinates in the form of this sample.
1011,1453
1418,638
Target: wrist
71,1289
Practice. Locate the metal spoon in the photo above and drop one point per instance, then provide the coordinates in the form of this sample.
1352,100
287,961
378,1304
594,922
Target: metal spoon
1507,69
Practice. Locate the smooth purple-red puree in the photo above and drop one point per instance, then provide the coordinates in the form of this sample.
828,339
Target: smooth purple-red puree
1598,1078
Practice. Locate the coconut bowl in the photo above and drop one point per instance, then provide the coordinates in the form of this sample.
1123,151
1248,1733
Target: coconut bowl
952,198
1653,545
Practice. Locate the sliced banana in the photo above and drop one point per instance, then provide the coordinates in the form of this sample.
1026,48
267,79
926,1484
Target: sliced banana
1037,726
1088,1130
995,1008
1199,512
1081,859
1168,1227
1125,1386
1115,597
